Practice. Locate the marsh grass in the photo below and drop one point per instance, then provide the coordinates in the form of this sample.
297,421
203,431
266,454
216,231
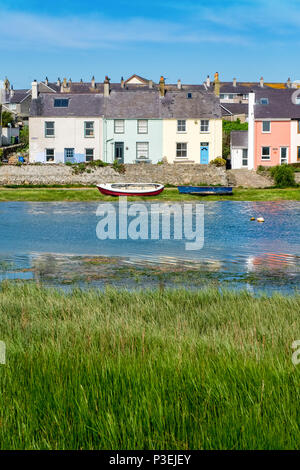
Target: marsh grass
48,194
165,369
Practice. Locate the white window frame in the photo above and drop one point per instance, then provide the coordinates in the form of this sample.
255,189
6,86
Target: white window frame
244,158
87,129
49,136
89,148
262,127
265,157
181,150
49,161
142,126
142,153
119,124
181,123
202,125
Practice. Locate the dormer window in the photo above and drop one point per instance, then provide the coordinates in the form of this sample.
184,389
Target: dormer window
61,103
264,101
189,96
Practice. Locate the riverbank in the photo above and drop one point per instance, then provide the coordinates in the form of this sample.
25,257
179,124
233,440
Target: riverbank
48,194
148,370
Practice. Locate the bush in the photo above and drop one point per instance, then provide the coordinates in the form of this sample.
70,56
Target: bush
218,162
24,136
284,175
119,167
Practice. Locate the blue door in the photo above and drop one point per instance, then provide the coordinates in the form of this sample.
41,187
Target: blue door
204,153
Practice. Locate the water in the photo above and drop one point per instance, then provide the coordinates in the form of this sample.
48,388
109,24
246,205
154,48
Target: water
56,243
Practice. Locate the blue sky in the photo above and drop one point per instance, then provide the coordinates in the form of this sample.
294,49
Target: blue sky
183,39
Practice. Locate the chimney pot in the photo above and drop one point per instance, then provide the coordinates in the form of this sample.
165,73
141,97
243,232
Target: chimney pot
58,83
234,82
150,83
217,85
261,82
93,82
208,81
179,84
289,83
46,81
122,82
106,87
162,87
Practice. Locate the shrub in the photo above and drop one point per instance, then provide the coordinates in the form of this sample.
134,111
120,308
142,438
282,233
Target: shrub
283,175
218,162
119,167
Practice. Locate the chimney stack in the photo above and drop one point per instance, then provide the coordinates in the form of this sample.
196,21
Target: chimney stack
234,82
217,85
289,83
12,91
70,82
34,88
46,81
106,87
58,83
208,81
161,87
150,84
179,84
6,84
261,82
93,82
122,82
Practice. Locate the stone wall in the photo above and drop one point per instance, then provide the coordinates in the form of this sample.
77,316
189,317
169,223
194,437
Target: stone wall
62,174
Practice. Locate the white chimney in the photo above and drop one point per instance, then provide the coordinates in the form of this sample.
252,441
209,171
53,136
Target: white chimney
289,83
58,83
150,83
34,88
46,81
12,91
179,85
234,82
261,82
251,117
122,82
208,81
93,82
106,87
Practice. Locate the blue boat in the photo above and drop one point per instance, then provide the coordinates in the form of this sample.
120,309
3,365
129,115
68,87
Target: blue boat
206,190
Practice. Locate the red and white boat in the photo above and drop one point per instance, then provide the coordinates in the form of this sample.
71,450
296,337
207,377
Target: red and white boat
130,189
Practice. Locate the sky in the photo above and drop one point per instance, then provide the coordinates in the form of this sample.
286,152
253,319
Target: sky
183,39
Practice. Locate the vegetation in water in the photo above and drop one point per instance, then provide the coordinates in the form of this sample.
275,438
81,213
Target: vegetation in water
165,369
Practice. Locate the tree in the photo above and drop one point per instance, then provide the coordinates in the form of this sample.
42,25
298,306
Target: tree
24,135
7,118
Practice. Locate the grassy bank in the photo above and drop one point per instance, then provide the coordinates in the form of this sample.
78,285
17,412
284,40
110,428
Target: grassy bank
169,194
148,370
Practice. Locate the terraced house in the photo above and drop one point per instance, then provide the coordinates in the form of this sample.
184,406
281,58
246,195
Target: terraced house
132,121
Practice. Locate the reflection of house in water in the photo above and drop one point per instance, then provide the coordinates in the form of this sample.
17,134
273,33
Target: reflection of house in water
274,262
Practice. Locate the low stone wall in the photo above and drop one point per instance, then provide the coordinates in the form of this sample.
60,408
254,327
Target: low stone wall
62,174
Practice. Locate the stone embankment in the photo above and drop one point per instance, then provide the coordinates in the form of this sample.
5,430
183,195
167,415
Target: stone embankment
63,174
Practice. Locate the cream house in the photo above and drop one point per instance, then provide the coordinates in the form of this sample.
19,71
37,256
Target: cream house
192,126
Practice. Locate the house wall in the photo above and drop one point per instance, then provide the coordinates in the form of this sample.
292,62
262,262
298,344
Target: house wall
130,137
280,136
237,158
69,133
295,141
193,137
7,133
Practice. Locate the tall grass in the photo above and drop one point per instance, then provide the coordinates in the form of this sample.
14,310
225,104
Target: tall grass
148,370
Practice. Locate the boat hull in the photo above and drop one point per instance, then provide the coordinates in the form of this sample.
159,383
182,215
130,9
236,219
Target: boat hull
110,191
205,190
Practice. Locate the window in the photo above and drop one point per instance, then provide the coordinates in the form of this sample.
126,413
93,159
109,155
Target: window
49,129
266,126
245,157
265,153
142,126
298,153
297,99
181,125
245,97
89,155
181,150
89,129
222,96
299,127
69,154
119,126
61,103
49,155
264,101
204,125
189,96
142,150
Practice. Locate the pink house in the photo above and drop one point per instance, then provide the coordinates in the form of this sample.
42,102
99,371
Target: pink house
274,127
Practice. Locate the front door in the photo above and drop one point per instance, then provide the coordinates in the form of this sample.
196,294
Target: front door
204,153
119,152
283,155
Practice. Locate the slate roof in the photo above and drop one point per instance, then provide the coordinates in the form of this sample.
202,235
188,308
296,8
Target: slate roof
280,104
239,139
79,105
245,87
137,103
230,109
17,97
